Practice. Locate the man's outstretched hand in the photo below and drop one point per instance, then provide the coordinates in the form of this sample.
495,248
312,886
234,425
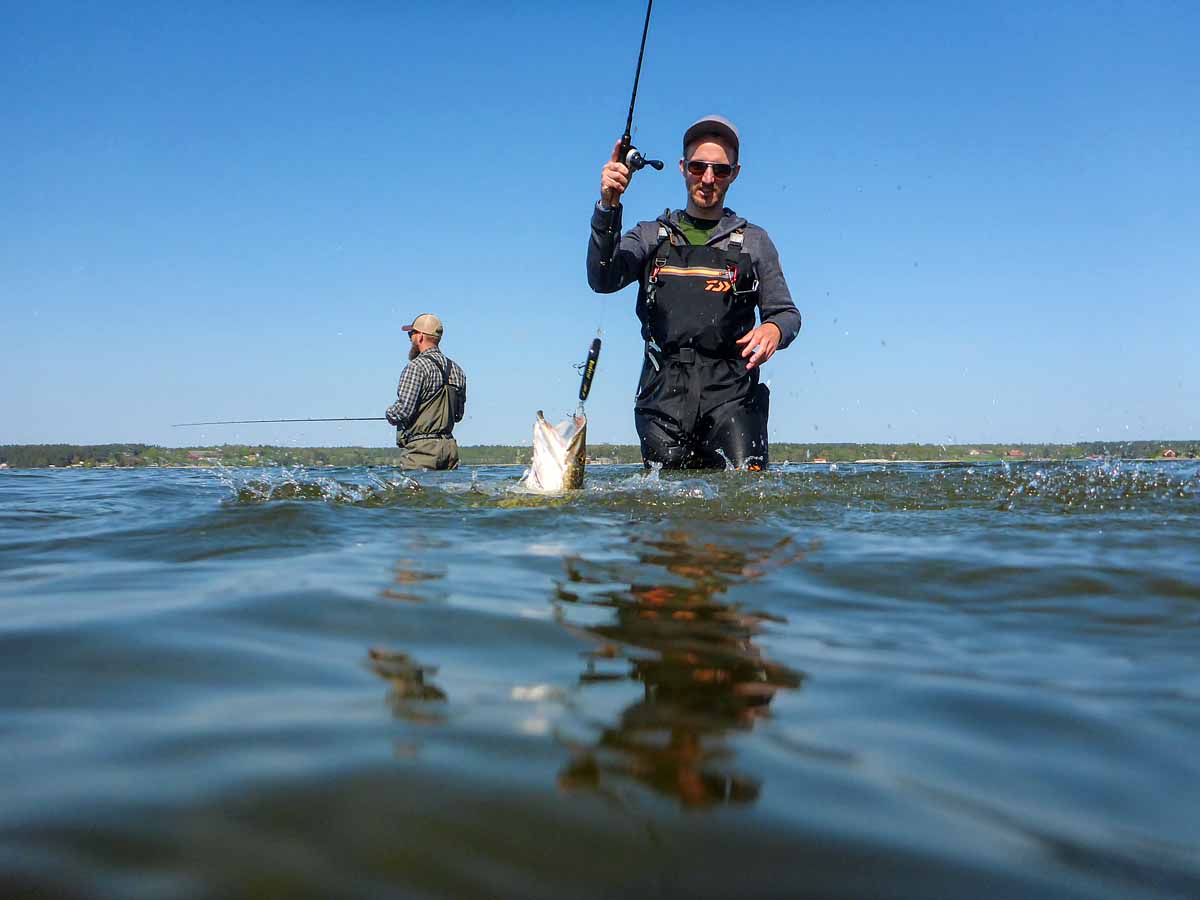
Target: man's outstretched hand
760,343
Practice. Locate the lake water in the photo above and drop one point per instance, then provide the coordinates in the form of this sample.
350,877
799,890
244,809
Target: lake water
853,681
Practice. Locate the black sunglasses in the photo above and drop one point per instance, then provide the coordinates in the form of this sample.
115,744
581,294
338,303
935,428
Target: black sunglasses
720,170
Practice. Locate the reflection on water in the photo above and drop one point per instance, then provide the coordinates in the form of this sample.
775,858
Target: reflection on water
411,696
694,654
407,577
407,679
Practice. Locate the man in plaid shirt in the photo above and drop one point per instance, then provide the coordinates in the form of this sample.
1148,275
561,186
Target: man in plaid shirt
430,398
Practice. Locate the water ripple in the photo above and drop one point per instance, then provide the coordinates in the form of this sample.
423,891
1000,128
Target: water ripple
864,680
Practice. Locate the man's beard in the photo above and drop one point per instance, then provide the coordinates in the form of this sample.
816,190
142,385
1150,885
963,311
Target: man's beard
414,351
715,202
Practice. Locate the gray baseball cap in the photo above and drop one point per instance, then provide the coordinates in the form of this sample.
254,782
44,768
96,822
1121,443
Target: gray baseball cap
713,125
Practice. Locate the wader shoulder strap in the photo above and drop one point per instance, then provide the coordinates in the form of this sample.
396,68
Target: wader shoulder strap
444,370
733,248
453,392
665,235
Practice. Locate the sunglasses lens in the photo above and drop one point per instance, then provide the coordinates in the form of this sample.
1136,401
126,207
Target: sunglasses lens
720,170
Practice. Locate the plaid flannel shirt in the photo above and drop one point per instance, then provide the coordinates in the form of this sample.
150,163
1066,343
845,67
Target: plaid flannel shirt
419,383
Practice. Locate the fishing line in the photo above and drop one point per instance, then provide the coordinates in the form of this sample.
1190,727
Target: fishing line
276,421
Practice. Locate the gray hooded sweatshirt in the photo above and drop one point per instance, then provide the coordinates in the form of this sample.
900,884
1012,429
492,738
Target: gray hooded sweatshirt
612,264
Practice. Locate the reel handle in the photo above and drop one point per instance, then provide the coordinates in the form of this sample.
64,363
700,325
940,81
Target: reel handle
635,161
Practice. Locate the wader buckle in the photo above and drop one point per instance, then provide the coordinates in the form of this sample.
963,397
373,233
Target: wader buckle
652,281
753,289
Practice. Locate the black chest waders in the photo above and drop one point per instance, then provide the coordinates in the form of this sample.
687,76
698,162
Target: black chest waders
697,405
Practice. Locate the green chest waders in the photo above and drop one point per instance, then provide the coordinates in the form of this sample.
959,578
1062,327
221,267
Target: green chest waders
431,443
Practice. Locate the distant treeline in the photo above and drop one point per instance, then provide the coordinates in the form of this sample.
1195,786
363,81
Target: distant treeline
26,456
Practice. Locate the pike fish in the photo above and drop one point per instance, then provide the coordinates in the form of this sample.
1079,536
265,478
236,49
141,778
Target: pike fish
559,455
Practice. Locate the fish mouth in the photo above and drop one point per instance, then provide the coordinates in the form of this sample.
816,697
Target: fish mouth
559,455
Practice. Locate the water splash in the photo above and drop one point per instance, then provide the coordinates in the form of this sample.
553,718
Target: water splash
752,463
1068,487
1099,485
273,485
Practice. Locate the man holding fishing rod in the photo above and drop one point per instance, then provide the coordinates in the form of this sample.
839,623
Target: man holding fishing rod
702,272
430,398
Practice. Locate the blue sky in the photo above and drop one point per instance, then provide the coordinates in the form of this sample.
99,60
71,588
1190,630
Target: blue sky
988,213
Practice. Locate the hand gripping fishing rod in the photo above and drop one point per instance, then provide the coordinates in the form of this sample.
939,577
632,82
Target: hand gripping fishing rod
629,154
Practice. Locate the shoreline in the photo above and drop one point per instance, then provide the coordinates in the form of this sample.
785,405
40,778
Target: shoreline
138,455
1042,460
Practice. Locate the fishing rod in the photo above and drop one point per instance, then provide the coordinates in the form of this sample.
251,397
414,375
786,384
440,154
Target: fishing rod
633,159
629,154
276,421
